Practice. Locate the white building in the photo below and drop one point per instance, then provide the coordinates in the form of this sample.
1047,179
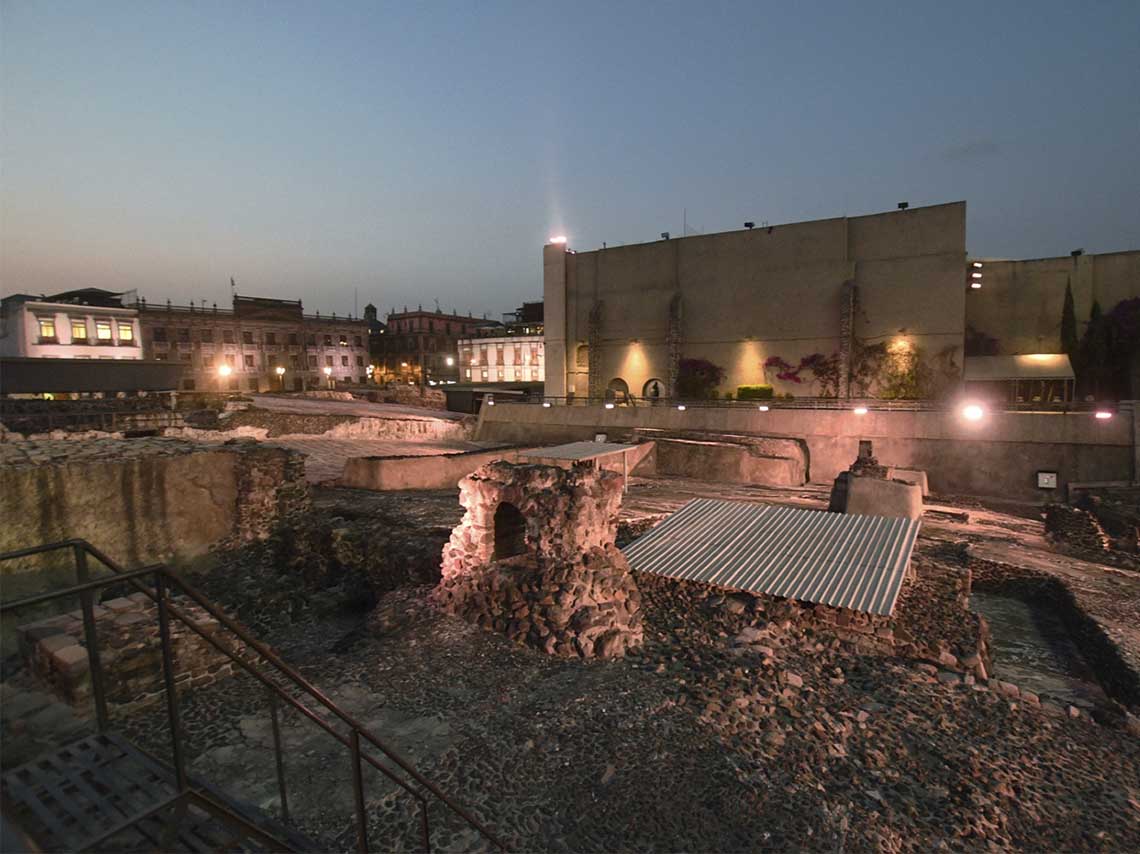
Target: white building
72,325
507,358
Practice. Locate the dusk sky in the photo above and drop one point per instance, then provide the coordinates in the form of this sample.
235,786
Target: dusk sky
422,151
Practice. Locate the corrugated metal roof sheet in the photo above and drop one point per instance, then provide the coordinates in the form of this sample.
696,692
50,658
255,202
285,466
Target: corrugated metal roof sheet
576,451
847,561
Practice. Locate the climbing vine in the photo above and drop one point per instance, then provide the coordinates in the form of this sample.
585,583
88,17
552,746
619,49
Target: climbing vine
823,369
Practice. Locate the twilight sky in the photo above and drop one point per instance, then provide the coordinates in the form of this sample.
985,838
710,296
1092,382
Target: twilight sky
422,151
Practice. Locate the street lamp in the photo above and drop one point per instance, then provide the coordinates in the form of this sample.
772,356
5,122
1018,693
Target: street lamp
450,361
280,369
328,375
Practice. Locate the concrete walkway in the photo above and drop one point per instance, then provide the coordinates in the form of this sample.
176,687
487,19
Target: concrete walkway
326,457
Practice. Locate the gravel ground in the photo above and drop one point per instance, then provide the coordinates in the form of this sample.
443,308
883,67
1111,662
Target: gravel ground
732,729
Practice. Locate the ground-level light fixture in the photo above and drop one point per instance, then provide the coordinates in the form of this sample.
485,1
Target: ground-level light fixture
403,364
609,406
860,410
680,407
546,404
224,370
762,408
450,361
1103,414
973,412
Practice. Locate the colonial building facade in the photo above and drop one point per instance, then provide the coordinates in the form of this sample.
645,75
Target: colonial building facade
82,324
511,352
258,345
422,346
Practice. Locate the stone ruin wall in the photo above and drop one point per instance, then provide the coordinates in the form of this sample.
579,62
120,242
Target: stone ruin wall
130,652
568,590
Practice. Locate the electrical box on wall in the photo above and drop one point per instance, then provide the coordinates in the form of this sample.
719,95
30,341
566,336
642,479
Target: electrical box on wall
1046,480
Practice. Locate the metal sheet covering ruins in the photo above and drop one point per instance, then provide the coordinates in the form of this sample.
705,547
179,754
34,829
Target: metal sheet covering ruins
846,561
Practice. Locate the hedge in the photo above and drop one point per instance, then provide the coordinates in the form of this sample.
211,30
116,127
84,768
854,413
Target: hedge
754,392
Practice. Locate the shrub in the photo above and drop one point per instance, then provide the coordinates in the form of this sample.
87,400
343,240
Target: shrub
697,378
728,395
754,392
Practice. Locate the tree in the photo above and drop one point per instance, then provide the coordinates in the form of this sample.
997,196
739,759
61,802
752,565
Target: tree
1069,340
1095,353
697,378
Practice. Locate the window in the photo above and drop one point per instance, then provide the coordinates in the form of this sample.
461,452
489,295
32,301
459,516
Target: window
356,341
271,362
311,340
184,336
207,336
228,336
484,373
126,333
344,361
159,334
360,361
234,384
431,326
230,359
103,331
328,340
160,357
247,337
295,361
47,329
185,357
293,339
328,361
249,360
78,331
468,372
270,337
313,362
207,361
188,384
343,340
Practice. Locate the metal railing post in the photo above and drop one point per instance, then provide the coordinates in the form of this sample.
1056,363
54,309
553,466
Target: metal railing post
280,757
94,664
358,794
168,678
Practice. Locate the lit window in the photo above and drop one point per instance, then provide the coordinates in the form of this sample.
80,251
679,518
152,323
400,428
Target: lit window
79,331
126,333
47,327
103,331
249,361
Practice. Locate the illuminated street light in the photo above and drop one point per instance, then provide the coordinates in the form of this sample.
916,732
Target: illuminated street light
546,404
280,371
450,361
224,370
680,407
328,372
973,412
762,408
609,406
860,410
1103,414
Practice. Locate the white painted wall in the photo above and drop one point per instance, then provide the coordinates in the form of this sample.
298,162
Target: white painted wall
20,335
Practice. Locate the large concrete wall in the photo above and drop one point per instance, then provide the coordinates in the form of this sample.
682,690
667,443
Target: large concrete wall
1020,302
751,295
998,456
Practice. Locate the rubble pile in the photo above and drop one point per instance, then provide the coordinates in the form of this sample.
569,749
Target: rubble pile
1075,528
534,558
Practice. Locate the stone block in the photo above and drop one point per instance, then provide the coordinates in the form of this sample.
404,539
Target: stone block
54,643
71,659
913,476
869,496
120,605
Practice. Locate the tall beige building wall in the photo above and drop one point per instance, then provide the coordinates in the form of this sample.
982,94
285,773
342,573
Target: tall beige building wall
753,294
1020,302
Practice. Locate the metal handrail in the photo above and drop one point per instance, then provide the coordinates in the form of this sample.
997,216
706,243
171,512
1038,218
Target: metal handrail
773,403
162,575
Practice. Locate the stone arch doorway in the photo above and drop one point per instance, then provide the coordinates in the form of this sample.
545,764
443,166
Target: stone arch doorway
510,531
653,389
618,390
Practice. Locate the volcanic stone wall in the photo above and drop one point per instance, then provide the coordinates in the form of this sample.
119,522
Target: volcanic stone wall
558,583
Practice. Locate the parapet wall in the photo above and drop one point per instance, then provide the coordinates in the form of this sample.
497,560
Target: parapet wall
998,456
